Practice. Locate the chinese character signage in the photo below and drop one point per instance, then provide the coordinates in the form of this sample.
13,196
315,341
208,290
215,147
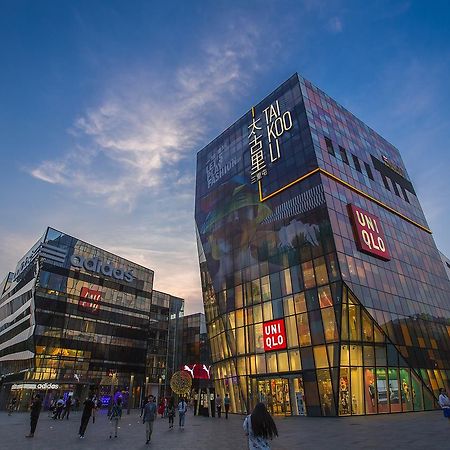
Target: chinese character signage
368,233
89,300
275,124
274,335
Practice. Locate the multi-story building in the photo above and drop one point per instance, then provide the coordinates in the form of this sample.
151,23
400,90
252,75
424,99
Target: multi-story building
163,351
75,318
323,288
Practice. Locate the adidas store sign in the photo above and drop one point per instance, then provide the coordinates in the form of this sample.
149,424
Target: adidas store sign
96,265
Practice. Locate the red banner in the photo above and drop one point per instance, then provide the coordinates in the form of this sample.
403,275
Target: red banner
369,235
89,300
274,335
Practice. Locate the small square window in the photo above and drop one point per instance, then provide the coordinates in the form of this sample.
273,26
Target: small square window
330,148
368,170
356,162
343,155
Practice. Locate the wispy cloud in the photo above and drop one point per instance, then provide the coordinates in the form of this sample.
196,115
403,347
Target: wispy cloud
148,123
134,152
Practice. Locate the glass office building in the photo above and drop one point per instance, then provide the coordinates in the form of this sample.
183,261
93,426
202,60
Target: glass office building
75,318
324,291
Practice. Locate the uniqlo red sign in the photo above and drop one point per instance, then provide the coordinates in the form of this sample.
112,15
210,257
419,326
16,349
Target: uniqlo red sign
89,300
274,335
368,233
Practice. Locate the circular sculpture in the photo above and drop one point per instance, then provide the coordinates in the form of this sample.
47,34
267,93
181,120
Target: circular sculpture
181,382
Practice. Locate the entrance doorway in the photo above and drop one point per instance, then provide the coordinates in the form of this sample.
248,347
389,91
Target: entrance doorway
274,392
282,396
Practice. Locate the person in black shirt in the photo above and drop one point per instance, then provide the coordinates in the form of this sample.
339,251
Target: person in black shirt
89,405
34,414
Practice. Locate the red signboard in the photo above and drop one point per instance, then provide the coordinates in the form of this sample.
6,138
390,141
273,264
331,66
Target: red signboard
368,232
198,371
89,300
274,335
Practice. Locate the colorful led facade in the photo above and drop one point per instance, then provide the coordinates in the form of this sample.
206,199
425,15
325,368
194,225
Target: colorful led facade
307,217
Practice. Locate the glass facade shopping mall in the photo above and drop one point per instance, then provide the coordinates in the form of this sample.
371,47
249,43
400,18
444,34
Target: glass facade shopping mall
323,289
76,319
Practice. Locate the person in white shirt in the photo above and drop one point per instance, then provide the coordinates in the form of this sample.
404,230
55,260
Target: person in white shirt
444,402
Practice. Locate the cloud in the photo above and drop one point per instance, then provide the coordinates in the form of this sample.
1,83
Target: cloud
130,170
147,124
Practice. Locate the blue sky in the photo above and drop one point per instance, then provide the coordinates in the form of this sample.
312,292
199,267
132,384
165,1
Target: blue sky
103,106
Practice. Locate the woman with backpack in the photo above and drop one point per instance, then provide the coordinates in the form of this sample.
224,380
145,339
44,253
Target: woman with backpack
260,427
116,414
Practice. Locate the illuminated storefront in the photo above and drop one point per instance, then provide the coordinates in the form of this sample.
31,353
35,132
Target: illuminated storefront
75,318
324,292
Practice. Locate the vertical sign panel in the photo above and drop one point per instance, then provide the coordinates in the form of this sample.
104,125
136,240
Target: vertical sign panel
274,335
368,232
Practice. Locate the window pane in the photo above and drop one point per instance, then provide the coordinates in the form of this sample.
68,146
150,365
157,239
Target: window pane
291,331
369,381
329,324
283,365
308,274
357,390
325,392
300,303
303,329
325,298
320,356
267,311
294,360
321,271
271,362
344,392
382,391
288,305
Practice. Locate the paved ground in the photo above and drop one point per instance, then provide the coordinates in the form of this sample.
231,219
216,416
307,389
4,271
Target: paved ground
398,431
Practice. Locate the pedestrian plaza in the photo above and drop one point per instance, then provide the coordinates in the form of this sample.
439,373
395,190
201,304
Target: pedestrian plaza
396,431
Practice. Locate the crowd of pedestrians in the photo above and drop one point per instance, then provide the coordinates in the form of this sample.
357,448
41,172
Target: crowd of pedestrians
258,426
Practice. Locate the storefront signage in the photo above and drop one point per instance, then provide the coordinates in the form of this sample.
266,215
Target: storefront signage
369,235
275,124
274,335
218,165
392,165
40,386
89,300
198,371
96,265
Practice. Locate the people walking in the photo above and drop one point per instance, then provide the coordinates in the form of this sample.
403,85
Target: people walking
34,414
12,406
116,415
219,406
59,408
171,412
182,408
161,408
144,402
260,428
149,418
444,402
226,402
89,406
67,408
